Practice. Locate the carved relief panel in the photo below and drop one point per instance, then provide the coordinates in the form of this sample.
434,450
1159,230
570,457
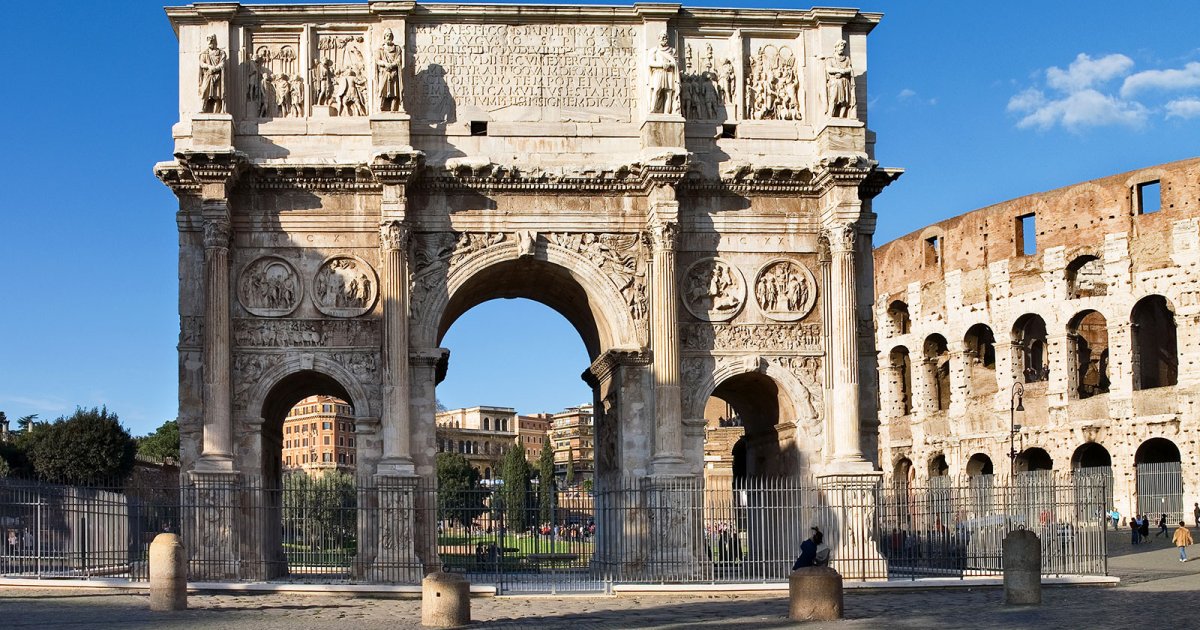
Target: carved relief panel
709,80
338,74
713,290
269,287
274,78
785,290
774,68
345,286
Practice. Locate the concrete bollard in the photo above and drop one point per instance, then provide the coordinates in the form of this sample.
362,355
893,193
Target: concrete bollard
1022,568
815,594
445,600
168,573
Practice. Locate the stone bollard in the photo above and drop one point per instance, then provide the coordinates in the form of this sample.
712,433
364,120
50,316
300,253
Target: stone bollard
815,594
168,573
445,600
1022,568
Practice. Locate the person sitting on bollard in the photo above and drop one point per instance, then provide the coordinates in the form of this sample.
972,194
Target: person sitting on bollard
1182,539
811,552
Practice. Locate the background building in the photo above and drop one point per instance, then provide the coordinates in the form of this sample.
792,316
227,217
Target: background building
1058,330
532,433
572,434
482,434
318,435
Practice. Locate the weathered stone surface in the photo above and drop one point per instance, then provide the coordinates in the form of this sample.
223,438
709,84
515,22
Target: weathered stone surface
445,600
1022,567
815,594
168,573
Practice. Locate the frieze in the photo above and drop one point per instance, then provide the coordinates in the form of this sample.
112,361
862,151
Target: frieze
269,287
345,286
797,337
274,79
339,75
785,290
191,331
709,83
773,84
623,258
305,333
713,290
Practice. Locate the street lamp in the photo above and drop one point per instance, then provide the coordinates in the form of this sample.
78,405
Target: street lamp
1015,405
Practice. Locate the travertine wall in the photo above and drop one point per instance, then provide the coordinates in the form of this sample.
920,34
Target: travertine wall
978,273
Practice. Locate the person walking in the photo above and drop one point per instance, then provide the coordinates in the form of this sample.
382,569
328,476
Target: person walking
1182,539
1115,515
1133,529
1144,527
1162,526
1196,513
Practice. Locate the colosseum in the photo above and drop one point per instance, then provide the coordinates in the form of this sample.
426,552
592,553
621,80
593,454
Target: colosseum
1057,331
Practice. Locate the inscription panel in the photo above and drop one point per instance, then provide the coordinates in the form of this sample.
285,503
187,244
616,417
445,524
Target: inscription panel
524,71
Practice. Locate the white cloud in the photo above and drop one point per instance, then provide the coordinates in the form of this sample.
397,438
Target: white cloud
1086,72
906,94
1171,79
1184,108
1079,110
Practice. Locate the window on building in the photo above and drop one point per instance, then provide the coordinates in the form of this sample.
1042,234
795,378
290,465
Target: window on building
328,440
351,442
327,457
487,424
1026,236
289,460
325,408
1149,197
933,252
328,426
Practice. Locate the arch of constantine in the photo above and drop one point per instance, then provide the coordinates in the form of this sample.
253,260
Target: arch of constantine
1056,331
690,188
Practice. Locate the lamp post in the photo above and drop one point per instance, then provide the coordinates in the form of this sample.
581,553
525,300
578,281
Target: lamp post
1015,405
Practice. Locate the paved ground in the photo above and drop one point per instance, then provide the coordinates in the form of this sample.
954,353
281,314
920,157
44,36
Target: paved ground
1156,588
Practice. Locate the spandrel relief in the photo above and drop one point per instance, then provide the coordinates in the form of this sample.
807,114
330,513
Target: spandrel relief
785,290
773,90
274,81
337,78
269,287
345,286
709,84
713,290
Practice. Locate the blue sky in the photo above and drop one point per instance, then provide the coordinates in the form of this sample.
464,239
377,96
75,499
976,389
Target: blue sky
980,102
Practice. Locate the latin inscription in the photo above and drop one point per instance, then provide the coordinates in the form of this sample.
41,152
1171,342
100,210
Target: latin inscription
525,65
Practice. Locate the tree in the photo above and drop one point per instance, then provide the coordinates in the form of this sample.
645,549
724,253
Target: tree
460,498
25,423
320,511
88,447
514,470
570,467
546,483
161,444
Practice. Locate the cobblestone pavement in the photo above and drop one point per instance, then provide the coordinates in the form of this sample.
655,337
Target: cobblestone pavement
1156,586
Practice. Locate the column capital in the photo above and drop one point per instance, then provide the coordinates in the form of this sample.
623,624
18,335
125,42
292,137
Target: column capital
841,236
393,235
217,232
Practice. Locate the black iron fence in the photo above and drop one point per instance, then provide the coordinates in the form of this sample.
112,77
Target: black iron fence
327,530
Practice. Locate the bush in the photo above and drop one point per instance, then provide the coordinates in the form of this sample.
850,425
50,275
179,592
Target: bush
88,447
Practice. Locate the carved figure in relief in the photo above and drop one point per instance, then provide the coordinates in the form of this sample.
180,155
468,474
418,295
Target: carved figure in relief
471,242
713,290
703,87
344,287
773,85
728,84
526,243
338,75
664,92
351,95
297,90
323,82
784,290
269,287
389,61
212,78
839,89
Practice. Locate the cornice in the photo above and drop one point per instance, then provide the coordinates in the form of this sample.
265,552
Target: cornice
397,167
602,368
483,175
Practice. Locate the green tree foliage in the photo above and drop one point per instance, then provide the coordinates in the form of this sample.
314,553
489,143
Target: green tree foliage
546,493
515,473
161,444
570,467
460,498
88,447
25,423
320,512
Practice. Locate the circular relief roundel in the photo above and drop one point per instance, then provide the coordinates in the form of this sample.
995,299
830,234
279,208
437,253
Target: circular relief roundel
713,290
270,287
345,286
785,290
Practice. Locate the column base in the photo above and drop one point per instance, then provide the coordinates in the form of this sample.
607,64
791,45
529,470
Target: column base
396,467
396,561
676,532
670,465
215,464
210,523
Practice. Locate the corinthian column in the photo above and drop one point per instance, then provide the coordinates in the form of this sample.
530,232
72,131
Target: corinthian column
217,451
843,344
397,452
664,339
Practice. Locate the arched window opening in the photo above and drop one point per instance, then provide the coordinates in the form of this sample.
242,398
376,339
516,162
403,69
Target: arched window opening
1085,278
487,424
1155,349
902,471
979,464
1091,455
1087,335
1033,460
980,355
937,365
898,315
938,466
1159,479
902,379
1032,359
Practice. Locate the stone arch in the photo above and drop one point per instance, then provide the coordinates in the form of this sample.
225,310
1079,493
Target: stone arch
979,464
902,364
898,316
1085,277
938,466
979,352
1087,338
1157,450
1155,343
902,470
323,372
1090,455
563,280
1033,459
937,371
1031,352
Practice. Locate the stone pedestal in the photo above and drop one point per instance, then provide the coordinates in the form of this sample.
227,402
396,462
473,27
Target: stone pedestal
396,561
390,130
815,594
212,131
210,530
663,130
675,532
445,600
849,497
168,573
1022,568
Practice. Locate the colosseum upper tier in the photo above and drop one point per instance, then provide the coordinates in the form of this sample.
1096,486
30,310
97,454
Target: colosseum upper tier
1056,331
